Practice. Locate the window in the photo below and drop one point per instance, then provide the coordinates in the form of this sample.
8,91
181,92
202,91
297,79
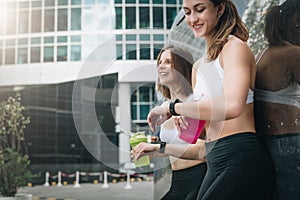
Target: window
142,100
11,22
75,52
48,54
157,1
76,2
10,52
49,3
144,17
76,19
75,38
1,56
171,14
35,21
119,52
62,39
130,37
35,55
62,53
145,37
22,55
119,18
158,19
130,18
88,2
130,1
49,20
157,48
158,37
130,52
145,51
36,4
10,56
23,21
48,40
62,21
171,1
23,4
62,2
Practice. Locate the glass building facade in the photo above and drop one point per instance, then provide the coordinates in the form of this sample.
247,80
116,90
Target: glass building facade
42,42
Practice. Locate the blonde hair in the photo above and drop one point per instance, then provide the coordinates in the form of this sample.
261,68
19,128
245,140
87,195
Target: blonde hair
230,23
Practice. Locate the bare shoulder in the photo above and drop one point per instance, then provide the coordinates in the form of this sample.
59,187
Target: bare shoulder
236,48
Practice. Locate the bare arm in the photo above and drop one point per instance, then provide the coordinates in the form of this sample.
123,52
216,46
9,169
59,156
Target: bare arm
186,151
237,60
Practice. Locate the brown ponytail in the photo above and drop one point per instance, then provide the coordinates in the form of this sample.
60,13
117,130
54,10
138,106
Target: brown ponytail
230,24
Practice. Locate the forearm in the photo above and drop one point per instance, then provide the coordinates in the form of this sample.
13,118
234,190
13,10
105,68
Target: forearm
187,151
209,109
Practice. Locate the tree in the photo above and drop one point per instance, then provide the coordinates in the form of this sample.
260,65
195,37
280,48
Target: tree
14,161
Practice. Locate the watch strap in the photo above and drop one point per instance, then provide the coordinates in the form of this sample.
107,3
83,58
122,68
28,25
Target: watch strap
172,107
162,147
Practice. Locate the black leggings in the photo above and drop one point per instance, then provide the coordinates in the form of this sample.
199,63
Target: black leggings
285,154
238,168
186,183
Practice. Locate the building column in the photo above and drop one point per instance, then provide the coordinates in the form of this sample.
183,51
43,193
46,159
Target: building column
124,95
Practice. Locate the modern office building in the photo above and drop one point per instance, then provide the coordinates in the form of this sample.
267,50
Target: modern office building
86,73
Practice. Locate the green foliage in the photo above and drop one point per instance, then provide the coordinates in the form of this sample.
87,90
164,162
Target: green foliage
254,18
14,161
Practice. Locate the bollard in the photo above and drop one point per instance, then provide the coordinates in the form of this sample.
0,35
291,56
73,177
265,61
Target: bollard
59,179
128,185
47,179
77,185
105,185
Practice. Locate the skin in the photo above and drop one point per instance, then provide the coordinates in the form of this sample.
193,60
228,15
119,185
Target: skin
227,114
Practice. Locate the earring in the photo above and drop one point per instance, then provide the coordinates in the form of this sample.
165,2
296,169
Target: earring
219,15
297,25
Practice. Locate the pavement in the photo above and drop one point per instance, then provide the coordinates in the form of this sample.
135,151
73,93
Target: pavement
141,190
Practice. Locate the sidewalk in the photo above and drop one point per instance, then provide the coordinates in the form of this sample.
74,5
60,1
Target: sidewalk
141,190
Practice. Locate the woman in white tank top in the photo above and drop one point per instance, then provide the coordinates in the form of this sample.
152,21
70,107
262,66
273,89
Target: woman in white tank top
233,151
174,67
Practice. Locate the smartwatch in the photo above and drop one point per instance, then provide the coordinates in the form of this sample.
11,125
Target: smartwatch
162,147
172,107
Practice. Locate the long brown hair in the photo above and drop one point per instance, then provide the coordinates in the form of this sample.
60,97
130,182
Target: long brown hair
278,26
183,62
230,23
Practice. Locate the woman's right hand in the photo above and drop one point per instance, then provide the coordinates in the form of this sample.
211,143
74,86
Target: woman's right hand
144,148
158,115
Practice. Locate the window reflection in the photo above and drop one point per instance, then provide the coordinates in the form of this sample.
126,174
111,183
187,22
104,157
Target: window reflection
62,53
22,55
35,21
48,54
35,55
23,21
144,17
76,19
130,18
62,22
158,17
75,52
49,20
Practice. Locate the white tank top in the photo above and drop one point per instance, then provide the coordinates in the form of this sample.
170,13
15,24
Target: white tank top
170,135
209,80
